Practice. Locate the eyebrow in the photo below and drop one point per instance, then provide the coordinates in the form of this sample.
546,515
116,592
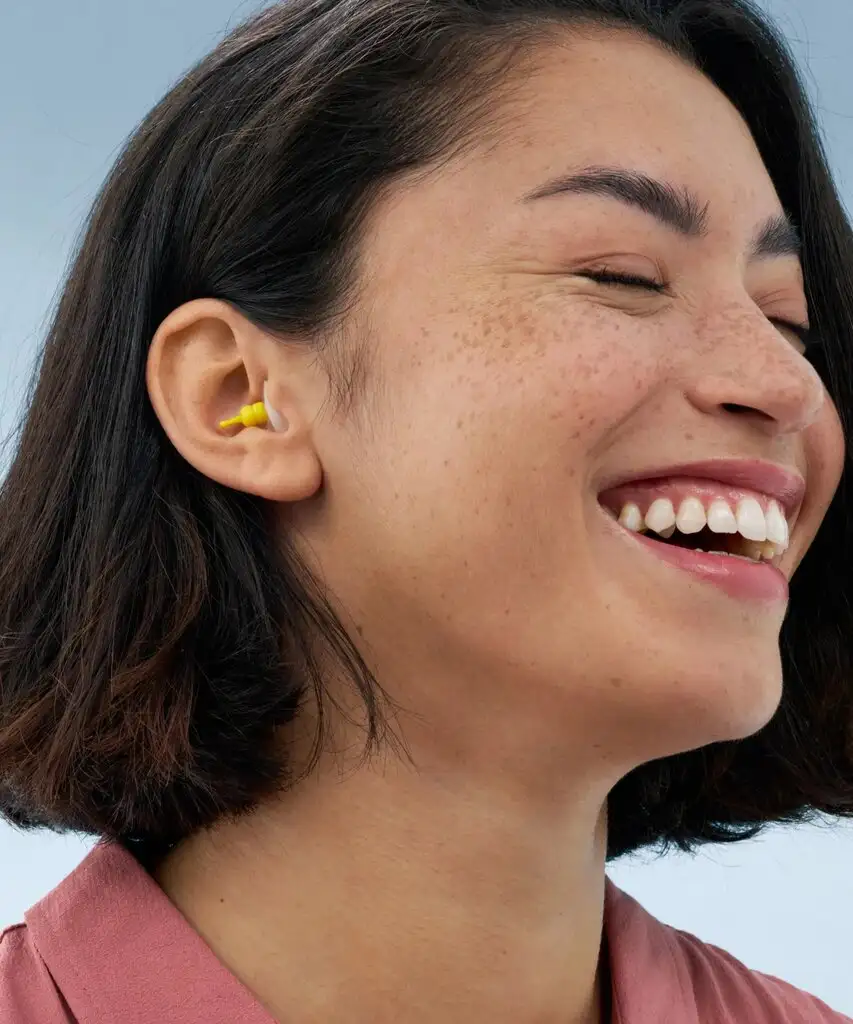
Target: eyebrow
677,208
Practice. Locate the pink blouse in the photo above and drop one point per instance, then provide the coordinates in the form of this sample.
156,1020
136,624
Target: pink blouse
107,945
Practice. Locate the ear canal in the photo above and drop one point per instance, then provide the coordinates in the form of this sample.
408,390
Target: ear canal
276,420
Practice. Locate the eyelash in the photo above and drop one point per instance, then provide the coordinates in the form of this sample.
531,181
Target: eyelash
805,334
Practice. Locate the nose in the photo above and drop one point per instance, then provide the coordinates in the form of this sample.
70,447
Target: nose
756,372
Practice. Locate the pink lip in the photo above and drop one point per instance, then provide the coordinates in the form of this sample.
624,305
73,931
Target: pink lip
738,578
743,580
785,485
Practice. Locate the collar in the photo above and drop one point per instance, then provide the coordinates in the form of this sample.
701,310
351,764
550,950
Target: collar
651,980
107,932
112,940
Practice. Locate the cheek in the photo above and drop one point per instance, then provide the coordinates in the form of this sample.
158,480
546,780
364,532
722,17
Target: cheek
510,404
547,377
825,451
472,491
835,445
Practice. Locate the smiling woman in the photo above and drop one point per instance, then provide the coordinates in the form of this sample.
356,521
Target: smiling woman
525,551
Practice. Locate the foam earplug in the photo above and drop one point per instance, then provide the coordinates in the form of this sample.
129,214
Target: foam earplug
249,416
257,415
274,418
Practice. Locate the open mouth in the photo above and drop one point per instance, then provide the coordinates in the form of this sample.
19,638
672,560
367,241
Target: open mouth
702,517
712,543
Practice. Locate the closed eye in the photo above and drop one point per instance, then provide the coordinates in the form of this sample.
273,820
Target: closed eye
804,334
626,280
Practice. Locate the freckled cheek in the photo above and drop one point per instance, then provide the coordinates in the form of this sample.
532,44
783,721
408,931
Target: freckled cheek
512,386
573,374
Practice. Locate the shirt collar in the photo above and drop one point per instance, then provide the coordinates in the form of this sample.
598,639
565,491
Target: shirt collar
107,932
650,979
115,943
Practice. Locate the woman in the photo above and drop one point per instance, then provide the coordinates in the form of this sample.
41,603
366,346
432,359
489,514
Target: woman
547,301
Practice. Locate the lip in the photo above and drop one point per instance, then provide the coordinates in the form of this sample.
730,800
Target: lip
745,581
740,579
787,486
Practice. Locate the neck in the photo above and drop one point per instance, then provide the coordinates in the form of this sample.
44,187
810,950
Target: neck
394,894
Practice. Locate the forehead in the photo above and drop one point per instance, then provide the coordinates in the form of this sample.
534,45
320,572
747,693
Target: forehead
607,90
608,98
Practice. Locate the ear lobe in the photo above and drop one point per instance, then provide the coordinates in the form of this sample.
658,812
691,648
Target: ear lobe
278,467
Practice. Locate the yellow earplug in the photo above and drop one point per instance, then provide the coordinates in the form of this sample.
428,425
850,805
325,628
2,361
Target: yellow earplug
250,416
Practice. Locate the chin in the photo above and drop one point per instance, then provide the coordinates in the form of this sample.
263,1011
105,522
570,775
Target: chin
656,705
726,701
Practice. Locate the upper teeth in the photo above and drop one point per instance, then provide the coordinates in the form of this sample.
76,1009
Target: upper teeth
748,519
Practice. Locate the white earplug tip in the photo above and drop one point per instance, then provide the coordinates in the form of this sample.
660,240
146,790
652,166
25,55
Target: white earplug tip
276,421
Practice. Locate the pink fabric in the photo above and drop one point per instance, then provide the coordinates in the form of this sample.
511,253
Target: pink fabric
107,945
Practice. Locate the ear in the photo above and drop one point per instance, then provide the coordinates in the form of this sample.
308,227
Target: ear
205,363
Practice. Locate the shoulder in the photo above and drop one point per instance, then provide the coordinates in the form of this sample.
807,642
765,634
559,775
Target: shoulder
724,985
664,973
28,994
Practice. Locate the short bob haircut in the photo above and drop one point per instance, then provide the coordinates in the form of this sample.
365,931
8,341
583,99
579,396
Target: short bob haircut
154,634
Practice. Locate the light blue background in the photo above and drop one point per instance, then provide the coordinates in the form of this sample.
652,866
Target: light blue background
75,78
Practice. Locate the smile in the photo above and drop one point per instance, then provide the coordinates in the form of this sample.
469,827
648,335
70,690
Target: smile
723,531
750,526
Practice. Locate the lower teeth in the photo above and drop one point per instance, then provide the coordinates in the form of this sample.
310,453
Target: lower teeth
728,554
763,551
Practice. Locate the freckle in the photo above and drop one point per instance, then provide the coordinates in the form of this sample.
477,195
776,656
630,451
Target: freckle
615,682
689,437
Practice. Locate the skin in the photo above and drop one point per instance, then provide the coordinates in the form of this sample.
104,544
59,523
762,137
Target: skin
454,514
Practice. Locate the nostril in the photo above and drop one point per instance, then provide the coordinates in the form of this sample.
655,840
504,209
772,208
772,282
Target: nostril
745,410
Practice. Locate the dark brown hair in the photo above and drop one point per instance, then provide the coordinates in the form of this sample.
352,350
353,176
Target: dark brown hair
152,634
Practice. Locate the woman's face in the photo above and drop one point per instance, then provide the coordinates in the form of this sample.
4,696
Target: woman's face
469,517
